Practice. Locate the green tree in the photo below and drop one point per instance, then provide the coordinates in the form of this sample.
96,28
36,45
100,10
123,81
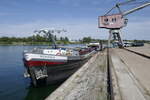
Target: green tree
86,39
66,39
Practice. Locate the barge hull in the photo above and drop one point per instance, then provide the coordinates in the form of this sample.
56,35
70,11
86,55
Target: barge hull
52,74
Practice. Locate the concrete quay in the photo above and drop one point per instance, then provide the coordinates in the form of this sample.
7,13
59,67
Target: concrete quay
88,83
143,50
129,73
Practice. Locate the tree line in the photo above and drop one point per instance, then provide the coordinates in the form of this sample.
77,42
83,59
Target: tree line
38,39
35,39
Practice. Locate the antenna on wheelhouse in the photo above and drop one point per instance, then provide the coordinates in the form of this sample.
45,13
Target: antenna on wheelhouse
49,34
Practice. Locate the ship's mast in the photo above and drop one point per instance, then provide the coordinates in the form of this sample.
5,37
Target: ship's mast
115,22
49,34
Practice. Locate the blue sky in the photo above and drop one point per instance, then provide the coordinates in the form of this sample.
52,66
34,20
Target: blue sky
78,17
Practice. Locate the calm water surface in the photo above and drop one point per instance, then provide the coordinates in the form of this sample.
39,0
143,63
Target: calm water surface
13,86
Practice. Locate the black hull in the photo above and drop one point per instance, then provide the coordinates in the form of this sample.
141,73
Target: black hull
57,73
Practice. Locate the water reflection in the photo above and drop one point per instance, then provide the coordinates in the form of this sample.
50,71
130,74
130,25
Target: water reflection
40,93
13,86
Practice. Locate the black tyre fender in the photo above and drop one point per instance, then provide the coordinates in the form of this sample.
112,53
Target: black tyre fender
33,77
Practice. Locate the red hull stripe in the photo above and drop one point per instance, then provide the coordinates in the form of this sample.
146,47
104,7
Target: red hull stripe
41,63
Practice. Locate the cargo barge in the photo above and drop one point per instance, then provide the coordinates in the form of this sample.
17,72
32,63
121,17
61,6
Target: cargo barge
51,65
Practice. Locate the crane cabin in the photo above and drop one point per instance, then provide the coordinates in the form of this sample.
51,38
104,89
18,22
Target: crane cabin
115,21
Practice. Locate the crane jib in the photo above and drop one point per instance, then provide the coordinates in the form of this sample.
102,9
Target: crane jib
136,9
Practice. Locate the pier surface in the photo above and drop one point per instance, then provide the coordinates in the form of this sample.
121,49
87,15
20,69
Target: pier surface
88,83
145,50
129,77
132,72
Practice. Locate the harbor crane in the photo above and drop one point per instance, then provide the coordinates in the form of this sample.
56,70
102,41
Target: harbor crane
115,22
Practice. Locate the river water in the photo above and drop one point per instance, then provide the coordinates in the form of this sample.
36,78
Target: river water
13,85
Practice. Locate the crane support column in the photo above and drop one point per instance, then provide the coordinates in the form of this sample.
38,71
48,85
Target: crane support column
116,36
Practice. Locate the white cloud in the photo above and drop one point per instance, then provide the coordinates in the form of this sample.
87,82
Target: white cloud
137,30
75,29
78,29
